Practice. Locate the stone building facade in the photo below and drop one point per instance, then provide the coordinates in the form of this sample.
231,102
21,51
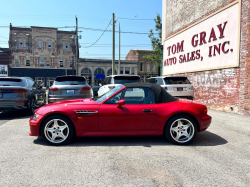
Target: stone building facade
95,70
145,68
209,42
41,48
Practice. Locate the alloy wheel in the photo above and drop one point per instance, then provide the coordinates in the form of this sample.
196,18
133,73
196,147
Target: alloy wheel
182,130
56,131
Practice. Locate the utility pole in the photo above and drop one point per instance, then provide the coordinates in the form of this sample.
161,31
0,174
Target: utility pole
113,46
119,63
76,48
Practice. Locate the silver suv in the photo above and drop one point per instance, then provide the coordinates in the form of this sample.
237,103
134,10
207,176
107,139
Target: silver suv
177,86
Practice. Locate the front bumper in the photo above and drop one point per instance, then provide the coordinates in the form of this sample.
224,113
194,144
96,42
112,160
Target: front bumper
35,126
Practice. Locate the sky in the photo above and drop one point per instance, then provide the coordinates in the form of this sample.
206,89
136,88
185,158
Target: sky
136,16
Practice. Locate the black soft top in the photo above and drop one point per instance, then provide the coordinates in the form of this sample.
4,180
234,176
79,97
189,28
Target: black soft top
161,96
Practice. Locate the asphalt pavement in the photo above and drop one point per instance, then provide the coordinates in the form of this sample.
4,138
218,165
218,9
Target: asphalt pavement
219,156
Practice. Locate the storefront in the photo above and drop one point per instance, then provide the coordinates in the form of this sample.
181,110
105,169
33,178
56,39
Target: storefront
210,45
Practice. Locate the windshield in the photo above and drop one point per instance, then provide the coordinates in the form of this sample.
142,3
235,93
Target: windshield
176,80
106,95
10,82
70,81
126,79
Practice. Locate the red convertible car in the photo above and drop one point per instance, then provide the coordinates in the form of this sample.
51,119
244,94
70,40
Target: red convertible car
133,109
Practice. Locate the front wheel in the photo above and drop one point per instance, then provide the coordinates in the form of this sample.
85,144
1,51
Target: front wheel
181,130
57,130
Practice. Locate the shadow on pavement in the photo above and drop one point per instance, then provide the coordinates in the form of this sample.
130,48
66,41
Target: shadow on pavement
202,139
15,114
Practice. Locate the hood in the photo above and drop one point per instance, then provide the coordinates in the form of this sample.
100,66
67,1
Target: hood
65,106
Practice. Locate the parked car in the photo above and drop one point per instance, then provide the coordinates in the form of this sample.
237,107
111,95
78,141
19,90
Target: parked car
115,80
132,109
95,90
69,87
20,93
178,86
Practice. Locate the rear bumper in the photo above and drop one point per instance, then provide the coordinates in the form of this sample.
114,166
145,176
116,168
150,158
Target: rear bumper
12,105
181,93
205,121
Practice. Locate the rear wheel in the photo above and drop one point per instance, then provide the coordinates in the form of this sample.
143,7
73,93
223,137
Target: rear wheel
57,130
181,130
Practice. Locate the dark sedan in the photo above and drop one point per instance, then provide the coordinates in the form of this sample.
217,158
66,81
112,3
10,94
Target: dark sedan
20,93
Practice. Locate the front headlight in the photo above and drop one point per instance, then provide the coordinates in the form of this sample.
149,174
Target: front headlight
35,116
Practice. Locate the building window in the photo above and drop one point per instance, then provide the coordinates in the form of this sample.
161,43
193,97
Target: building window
39,44
70,63
110,72
148,67
47,65
132,71
49,45
141,67
27,62
154,67
66,46
127,70
61,63
141,56
21,44
147,55
121,70
42,63
16,62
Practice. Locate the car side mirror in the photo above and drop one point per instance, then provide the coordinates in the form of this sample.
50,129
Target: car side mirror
121,102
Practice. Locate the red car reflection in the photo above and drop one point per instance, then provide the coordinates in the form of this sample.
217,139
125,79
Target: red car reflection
131,109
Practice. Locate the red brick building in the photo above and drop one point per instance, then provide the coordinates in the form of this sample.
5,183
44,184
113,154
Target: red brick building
209,42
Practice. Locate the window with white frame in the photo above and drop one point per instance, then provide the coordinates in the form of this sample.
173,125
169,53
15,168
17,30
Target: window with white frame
61,63
132,71
39,44
21,44
42,63
121,70
127,70
148,67
154,67
49,45
66,46
16,62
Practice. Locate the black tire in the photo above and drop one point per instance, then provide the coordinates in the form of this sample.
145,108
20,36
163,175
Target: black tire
49,124
182,133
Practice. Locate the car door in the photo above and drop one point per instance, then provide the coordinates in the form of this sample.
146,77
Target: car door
138,113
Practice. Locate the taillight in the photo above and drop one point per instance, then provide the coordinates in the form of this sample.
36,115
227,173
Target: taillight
205,111
53,89
20,101
111,87
20,91
86,88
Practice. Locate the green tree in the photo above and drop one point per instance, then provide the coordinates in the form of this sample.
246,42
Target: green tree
156,43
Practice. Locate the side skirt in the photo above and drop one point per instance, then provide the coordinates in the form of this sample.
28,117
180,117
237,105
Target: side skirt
120,133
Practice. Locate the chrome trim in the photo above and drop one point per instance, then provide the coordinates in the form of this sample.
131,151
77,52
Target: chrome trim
86,112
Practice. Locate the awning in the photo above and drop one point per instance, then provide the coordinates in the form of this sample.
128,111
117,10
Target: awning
100,76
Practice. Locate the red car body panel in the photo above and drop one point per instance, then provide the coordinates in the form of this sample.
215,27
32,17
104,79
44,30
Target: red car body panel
112,120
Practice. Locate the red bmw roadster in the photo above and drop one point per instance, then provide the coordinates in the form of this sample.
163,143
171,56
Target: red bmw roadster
133,109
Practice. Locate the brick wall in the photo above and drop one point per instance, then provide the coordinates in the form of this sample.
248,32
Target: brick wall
224,89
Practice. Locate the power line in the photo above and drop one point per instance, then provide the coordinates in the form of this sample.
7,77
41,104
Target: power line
136,19
100,36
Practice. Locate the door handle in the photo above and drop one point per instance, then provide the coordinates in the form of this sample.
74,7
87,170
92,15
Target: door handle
147,110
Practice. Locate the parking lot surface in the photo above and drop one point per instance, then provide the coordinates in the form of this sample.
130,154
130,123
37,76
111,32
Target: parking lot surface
219,156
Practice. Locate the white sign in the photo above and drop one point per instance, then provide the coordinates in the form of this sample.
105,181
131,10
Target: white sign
211,44
3,70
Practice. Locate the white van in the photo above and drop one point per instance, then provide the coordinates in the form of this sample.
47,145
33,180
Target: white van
177,86
115,80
